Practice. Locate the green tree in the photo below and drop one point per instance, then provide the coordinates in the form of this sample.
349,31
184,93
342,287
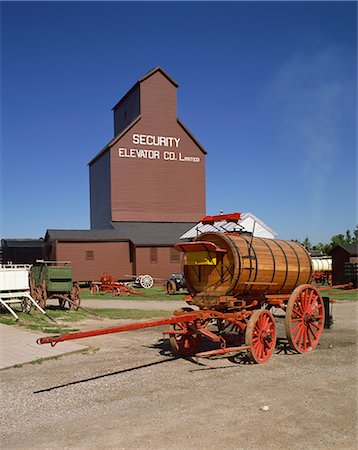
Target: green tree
321,247
348,237
307,244
355,235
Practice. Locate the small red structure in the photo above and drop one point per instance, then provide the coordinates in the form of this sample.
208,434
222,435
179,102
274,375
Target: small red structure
108,284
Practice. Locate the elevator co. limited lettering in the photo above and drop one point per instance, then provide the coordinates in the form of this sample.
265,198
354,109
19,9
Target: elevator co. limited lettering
155,154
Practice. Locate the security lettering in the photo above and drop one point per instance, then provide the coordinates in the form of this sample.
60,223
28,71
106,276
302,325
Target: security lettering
157,141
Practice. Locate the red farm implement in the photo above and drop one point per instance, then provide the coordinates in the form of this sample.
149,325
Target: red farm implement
109,285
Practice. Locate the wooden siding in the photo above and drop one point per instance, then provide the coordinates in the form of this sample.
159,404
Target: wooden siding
100,192
161,269
339,257
126,111
158,190
158,99
109,257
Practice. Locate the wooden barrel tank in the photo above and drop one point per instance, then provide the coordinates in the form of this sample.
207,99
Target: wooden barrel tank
243,266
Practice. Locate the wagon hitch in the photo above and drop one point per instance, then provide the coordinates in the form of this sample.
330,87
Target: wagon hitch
118,329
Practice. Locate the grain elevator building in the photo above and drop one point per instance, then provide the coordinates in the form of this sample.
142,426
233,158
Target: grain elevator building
147,188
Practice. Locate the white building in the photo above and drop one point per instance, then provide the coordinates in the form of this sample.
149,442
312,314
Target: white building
248,222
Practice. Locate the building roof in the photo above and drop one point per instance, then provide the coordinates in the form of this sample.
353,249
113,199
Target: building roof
352,249
156,233
147,75
79,235
224,226
192,137
140,233
163,72
114,140
21,242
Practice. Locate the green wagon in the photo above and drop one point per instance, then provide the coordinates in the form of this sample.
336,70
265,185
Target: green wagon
54,280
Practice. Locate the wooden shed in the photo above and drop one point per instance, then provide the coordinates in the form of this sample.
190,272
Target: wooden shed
344,264
21,251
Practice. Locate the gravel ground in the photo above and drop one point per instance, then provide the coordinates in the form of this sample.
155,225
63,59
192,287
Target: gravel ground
128,392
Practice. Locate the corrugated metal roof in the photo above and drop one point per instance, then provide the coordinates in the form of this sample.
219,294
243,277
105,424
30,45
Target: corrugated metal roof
140,233
223,226
352,249
21,242
156,233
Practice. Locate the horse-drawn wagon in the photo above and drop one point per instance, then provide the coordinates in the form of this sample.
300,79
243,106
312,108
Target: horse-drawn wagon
237,281
54,280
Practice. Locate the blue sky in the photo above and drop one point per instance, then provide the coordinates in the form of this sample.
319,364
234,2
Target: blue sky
269,89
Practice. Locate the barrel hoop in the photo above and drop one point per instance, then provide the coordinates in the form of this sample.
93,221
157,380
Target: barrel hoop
249,247
273,259
239,260
284,254
299,265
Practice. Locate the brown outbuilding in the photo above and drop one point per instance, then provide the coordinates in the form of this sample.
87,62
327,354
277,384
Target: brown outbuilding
344,264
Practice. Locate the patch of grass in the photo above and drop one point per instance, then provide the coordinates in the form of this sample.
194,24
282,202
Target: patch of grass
340,294
36,321
37,361
155,293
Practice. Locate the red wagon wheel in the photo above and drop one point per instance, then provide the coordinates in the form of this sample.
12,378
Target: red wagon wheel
260,336
75,297
40,296
186,342
171,287
304,319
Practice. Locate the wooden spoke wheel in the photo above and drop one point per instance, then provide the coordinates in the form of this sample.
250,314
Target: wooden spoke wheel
94,289
75,297
116,292
171,287
304,319
260,336
26,305
62,303
32,288
231,332
186,342
146,281
40,296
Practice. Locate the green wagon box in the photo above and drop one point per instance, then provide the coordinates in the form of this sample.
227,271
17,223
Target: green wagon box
54,280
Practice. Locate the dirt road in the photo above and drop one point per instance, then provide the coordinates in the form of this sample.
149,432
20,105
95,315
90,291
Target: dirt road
132,394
